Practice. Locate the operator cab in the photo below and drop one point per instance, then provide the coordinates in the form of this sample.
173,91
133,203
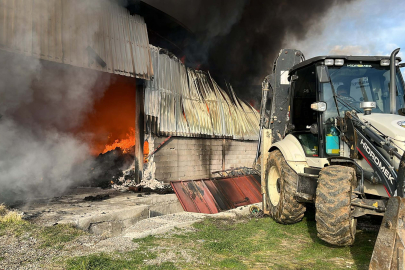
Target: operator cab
354,80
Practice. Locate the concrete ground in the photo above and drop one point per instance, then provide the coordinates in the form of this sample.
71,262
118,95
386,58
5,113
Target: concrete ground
119,213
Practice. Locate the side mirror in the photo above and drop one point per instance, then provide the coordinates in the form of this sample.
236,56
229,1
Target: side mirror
323,74
314,129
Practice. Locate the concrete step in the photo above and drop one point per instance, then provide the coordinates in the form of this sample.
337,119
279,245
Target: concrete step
129,214
110,217
112,221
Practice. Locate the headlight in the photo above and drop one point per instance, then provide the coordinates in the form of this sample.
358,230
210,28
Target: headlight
384,62
319,106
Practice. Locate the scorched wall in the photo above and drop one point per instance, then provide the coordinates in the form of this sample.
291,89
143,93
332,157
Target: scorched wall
195,158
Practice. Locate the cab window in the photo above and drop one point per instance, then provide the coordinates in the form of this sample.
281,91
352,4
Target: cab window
302,116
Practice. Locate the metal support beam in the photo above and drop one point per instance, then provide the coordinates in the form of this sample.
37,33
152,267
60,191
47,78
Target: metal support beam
139,129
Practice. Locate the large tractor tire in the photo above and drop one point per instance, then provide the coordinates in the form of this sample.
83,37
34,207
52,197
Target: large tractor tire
281,184
334,221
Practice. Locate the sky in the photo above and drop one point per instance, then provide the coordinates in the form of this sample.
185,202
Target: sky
363,27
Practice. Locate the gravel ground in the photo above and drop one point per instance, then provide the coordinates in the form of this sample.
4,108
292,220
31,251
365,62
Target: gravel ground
25,253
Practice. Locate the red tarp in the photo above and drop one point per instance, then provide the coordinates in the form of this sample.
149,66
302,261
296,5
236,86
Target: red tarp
214,195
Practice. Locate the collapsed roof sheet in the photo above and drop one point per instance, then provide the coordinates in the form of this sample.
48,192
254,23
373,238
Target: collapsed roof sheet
181,101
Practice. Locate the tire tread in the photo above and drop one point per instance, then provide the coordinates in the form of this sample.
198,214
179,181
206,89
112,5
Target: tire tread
289,210
333,205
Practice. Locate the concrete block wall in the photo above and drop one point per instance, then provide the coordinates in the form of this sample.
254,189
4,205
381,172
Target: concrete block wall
195,158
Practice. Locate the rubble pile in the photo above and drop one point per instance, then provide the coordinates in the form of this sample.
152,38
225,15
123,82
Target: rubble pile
110,167
116,169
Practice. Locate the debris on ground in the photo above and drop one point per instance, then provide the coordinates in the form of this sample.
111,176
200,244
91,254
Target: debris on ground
112,168
116,169
98,197
237,172
255,211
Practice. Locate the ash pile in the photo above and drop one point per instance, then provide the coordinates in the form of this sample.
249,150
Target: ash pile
116,169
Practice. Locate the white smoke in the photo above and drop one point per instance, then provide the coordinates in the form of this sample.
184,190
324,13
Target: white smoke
38,163
41,105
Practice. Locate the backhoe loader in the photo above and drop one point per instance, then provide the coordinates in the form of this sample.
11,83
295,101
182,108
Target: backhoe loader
332,133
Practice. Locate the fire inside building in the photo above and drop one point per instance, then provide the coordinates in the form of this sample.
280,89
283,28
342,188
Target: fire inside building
131,92
114,120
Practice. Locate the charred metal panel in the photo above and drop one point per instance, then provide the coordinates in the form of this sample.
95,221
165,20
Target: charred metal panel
194,196
214,195
94,34
180,101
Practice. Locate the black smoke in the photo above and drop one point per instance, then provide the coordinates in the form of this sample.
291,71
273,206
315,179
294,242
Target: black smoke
238,40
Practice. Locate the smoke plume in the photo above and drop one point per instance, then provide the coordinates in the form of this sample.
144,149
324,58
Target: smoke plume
41,105
240,39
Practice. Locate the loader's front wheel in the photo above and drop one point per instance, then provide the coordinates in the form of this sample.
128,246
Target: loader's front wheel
334,221
281,183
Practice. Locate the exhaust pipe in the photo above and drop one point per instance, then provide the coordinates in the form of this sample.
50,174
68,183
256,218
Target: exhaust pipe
393,87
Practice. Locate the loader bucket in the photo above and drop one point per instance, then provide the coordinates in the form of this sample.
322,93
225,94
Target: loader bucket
389,249
211,196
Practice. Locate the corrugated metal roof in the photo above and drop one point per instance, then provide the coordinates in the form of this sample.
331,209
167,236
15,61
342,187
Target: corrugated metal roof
181,101
211,196
95,34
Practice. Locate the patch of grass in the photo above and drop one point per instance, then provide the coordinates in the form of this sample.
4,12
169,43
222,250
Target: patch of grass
232,263
2,259
125,260
131,260
100,261
7,216
162,266
12,224
56,236
238,238
146,241
3,210
11,217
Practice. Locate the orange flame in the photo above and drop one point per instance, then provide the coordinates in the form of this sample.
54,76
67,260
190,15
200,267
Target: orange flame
124,144
111,122
145,151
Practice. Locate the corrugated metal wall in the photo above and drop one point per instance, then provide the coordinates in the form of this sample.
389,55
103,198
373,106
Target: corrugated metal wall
181,101
95,34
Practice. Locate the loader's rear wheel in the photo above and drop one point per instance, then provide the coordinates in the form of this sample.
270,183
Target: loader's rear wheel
281,183
334,221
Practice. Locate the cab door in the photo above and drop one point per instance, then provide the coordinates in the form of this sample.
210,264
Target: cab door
303,94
